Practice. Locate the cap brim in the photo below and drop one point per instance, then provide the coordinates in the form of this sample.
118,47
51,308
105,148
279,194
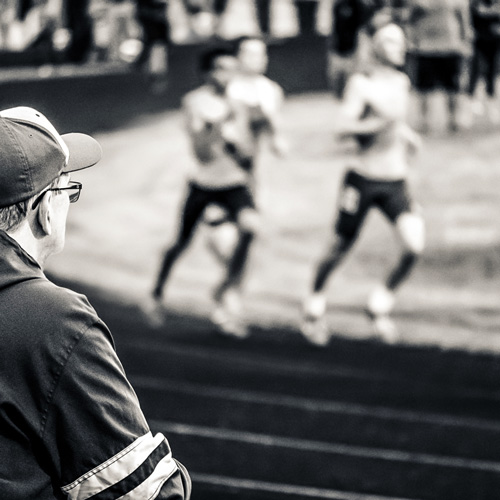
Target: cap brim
84,151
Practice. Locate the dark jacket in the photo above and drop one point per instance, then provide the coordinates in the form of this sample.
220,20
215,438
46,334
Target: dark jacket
66,406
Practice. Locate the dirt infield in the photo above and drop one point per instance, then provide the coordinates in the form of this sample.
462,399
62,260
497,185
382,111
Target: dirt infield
129,206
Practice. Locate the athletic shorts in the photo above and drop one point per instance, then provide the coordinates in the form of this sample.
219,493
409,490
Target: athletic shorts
358,194
438,72
233,200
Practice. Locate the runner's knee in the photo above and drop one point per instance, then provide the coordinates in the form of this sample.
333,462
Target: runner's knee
411,230
249,221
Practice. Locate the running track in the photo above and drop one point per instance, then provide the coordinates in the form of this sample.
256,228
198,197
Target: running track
271,417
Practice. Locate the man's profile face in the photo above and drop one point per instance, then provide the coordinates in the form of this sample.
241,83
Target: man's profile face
60,206
252,56
390,45
223,70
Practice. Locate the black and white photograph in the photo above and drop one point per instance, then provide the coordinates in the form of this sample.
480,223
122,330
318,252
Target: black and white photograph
249,250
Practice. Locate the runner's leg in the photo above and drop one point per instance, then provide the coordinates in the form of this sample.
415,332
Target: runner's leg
196,202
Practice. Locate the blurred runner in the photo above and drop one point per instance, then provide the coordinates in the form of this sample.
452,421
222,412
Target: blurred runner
373,113
263,100
220,136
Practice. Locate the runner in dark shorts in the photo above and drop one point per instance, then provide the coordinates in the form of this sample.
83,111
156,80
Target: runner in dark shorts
373,113
218,129
359,194
232,200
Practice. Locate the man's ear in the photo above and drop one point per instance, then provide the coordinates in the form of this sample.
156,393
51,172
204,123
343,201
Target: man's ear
44,215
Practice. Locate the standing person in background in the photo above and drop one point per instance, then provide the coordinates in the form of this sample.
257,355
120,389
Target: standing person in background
77,20
441,37
71,424
220,136
348,42
486,51
348,17
374,114
152,15
263,10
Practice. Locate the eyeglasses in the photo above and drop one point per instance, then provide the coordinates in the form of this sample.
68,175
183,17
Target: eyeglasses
74,188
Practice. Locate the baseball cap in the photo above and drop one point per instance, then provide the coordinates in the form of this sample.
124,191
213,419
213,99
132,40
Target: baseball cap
33,153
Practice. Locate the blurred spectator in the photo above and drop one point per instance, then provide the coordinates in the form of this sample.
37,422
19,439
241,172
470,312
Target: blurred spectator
441,42
306,10
269,19
264,16
79,23
349,19
8,14
51,27
117,34
219,9
202,17
152,16
28,23
486,22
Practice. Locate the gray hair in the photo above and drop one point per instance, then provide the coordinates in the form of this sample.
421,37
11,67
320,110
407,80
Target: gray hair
12,216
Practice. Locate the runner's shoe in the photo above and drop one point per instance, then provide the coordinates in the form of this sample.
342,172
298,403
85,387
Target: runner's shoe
227,325
153,311
384,327
381,301
314,327
380,304
228,313
315,331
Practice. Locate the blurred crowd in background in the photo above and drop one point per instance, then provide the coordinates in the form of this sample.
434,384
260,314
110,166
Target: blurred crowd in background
106,29
463,34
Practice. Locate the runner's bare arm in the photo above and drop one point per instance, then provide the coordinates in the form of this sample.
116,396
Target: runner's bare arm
236,134
203,127
412,139
352,122
279,145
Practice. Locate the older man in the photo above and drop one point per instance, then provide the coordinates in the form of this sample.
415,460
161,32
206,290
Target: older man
70,423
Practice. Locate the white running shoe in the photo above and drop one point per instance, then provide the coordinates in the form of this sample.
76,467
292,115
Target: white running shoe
153,311
381,301
232,302
385,328
380,304
315,306
314,327
228,325
228,313
315,330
